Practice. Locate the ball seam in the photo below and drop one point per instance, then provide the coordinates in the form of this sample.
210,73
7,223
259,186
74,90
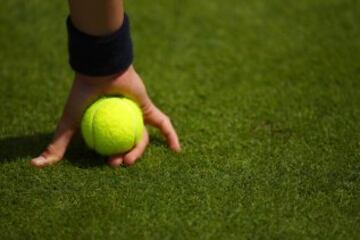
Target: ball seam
132,113
92,126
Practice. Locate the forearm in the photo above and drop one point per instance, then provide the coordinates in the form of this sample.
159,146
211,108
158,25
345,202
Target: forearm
97,17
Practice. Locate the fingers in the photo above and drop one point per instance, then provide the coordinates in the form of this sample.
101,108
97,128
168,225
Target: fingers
134,154
130,157
80,95
55,151
47,158
168,131
115,161
130,85
65,130
158,119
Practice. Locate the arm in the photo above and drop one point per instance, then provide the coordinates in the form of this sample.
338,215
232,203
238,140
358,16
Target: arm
97,17
101,17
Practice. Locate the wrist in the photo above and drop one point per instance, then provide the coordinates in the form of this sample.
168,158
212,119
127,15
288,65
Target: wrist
100,55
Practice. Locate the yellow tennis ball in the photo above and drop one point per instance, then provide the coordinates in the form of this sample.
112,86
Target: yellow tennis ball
112,125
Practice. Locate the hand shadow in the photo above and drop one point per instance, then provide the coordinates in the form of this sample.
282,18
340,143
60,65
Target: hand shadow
14,148
156,140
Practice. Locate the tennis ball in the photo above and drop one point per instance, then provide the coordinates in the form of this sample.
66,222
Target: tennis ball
112,125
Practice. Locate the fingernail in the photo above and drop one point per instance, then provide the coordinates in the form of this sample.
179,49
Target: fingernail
38,162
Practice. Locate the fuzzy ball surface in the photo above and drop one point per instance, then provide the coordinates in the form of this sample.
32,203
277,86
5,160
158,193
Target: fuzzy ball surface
112,125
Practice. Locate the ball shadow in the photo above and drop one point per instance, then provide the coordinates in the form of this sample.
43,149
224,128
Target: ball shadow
81,156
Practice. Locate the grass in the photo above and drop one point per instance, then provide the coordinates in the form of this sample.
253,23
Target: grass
265,96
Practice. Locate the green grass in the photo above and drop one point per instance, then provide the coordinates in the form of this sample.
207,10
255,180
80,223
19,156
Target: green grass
265,96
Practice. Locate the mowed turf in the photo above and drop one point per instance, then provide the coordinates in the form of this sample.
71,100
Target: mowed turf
264,94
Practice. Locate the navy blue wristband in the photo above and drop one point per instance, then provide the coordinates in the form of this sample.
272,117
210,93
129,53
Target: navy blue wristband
100,55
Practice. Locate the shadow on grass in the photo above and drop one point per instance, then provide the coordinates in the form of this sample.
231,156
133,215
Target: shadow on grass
13,148
156,140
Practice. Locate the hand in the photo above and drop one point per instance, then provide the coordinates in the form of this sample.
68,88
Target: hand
84,91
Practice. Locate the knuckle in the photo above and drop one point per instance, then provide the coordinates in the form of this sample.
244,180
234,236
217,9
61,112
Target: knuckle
165,121
51,151
129,161
147,108
114,164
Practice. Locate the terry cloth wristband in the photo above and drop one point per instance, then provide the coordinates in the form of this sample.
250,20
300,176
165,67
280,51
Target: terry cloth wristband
100,55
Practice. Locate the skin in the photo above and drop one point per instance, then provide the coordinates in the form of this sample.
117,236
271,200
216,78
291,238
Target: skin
101,17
